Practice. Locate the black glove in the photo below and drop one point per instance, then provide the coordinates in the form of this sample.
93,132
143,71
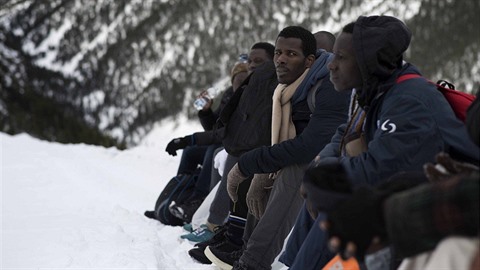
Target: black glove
178,143
360,219
446,167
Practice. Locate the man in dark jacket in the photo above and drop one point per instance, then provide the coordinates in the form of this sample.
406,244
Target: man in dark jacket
406,123
203,155
395,127
195,155
246,123
224,133
271,222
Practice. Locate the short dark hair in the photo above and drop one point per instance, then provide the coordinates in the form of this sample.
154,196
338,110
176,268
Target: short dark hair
329,35
268,47
349,28
309,44
325,40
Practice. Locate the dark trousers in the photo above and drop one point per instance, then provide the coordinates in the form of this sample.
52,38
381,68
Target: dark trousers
307,246
192,156
264,240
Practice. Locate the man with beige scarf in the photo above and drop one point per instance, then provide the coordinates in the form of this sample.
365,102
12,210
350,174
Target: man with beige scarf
273,197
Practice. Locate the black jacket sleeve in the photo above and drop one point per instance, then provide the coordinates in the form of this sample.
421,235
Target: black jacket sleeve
207,119
331,109
213,136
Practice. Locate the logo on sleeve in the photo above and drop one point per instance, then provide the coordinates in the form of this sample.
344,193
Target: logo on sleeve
389,127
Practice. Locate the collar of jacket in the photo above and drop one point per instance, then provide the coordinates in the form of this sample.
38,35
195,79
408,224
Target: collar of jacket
318,71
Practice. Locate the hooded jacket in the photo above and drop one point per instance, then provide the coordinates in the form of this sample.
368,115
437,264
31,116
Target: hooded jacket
407,123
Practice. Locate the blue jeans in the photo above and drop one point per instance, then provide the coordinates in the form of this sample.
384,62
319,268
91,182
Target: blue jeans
202,187
192,156
195,155
307,246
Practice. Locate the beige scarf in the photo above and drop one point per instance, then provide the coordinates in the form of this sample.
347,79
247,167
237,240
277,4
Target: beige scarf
282,124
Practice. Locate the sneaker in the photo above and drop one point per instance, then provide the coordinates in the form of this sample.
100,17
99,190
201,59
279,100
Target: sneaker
201,234
217,238
198,253
186,210
224,255
188,227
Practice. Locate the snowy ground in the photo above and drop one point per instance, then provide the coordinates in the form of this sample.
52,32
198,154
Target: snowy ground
81,206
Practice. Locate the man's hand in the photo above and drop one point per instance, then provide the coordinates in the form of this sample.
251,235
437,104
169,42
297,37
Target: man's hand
258,193
446,167
178,143
234,178
204,94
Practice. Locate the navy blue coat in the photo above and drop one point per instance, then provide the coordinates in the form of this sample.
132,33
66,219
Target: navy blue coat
407,123
406,126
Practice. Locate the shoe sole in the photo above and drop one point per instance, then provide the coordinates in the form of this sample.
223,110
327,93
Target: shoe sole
192,241
215,260
200,260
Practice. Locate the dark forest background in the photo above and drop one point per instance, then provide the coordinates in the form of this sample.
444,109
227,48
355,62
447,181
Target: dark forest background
104,72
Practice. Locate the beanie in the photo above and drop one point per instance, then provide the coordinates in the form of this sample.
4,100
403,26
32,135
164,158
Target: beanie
238,68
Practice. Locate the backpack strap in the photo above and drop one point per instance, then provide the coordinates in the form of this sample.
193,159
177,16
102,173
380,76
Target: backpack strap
311,96
459,101
407,77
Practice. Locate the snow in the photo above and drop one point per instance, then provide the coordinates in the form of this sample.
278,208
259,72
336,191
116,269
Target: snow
77,206
81,206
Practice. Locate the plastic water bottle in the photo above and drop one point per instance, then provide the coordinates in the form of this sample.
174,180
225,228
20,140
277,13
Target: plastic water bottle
200,102
243,58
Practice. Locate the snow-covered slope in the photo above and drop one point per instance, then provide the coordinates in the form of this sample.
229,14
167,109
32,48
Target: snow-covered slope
81,206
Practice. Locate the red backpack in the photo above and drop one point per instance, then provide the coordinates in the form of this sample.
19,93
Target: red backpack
459,101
